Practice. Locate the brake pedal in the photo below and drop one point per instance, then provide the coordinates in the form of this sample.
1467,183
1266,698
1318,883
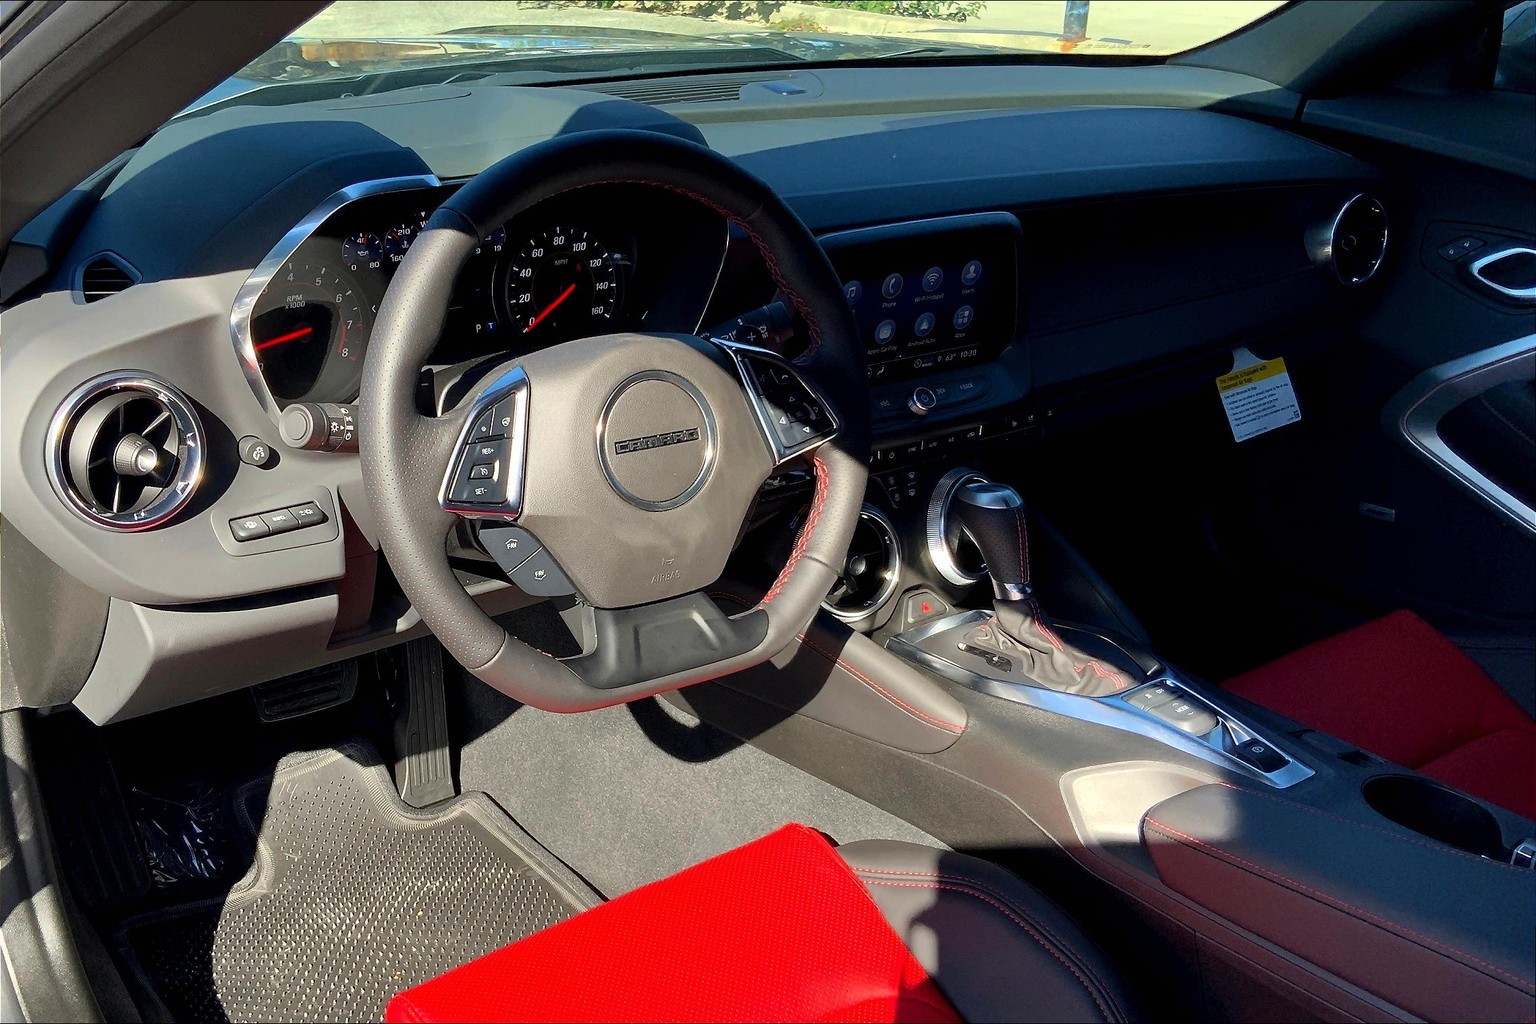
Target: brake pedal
423,761
306,692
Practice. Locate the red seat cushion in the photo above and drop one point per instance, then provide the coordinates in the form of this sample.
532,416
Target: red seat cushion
1398,688
780,929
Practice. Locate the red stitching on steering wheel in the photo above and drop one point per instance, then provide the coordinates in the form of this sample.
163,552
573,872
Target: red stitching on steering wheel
817,502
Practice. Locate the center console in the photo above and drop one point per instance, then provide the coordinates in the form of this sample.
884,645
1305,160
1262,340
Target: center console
1267,870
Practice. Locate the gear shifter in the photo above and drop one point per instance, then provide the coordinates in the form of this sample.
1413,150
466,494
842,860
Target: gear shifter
1019,635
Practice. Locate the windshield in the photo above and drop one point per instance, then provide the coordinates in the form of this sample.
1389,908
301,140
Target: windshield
421,43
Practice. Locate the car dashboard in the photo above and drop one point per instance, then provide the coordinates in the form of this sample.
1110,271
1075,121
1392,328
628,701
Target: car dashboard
1005,267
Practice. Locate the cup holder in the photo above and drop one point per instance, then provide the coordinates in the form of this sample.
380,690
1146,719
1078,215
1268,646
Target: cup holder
1432,810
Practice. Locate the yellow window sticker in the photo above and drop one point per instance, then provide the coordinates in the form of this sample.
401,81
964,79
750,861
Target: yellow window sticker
1257,395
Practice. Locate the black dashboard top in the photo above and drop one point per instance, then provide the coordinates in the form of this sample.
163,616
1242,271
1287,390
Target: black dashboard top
257,171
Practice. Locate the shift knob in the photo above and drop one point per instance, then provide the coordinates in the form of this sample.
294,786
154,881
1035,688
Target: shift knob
992,515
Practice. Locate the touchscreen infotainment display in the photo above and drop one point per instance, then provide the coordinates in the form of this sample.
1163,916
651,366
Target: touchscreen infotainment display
931,294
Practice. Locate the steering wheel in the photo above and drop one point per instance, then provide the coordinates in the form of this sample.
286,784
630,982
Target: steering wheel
618,468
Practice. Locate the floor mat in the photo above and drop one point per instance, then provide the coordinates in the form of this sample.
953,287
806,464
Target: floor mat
631,794
351,897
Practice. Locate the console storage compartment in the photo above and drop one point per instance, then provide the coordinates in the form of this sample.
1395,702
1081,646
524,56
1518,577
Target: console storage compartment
1439,932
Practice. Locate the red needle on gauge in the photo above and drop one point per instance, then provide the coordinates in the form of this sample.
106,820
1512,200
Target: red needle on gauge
551,307
290,336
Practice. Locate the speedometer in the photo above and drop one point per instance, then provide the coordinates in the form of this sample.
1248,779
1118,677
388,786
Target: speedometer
562,284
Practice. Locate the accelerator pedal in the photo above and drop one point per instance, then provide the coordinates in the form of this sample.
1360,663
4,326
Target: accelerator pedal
424,764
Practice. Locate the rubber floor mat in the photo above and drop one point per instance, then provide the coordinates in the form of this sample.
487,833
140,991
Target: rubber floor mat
351,897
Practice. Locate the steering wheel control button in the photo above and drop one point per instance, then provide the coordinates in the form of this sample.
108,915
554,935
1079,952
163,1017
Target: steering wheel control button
248,528
510,546
485,476
539,576
502,417
793,416
480,480
482,428
923,401
255,452
656,440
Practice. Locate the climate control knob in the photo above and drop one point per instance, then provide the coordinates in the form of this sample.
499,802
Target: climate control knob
922,401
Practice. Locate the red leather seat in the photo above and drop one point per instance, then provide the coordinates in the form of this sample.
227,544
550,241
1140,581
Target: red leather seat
787,928
1399,689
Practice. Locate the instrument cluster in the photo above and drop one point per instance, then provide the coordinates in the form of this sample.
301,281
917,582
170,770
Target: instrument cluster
594,261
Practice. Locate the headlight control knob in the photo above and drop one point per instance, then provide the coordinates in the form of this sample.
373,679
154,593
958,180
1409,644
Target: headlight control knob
316,427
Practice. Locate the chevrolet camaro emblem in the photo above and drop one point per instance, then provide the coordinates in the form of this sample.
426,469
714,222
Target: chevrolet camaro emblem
640,444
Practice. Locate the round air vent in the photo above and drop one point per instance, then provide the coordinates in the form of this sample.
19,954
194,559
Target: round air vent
1354,243
953,554
125,451
872,571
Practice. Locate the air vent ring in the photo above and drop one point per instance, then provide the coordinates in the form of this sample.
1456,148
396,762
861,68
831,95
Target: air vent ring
873,569
125,451
1354,244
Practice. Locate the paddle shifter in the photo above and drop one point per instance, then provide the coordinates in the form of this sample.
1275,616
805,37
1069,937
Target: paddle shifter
1019,637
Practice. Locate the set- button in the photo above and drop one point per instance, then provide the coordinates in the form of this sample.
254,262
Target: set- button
482,474
280,520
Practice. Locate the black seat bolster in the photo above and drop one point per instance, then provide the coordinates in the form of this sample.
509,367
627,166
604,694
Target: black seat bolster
999,950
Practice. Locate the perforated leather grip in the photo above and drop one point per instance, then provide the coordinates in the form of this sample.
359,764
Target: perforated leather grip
993,515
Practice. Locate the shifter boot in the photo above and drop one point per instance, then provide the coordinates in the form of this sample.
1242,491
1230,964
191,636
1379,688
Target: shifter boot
1020,635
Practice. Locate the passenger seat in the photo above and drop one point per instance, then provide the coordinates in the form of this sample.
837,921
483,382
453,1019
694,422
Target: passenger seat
1399,689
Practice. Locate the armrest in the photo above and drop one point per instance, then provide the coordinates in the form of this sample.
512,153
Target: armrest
1445,935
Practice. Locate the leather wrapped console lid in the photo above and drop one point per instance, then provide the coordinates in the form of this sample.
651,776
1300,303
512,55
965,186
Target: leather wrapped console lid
1442,934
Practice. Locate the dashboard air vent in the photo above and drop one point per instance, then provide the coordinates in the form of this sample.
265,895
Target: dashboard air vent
104,276
725,89
125,451
872,571
1355,242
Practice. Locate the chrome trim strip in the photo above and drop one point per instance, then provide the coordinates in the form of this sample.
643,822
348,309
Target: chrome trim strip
740,353
1114,712
893,579
282,252
1415,414
514,382
189,472
937,526
1521,295
711,441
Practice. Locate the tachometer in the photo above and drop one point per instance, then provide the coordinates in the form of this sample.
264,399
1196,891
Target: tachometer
310,330
562,284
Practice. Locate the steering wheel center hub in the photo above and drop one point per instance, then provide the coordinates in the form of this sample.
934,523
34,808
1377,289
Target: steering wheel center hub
656,440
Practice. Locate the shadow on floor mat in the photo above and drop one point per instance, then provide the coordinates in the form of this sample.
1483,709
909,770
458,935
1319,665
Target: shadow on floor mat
352,896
